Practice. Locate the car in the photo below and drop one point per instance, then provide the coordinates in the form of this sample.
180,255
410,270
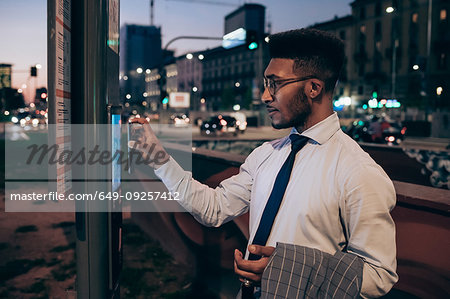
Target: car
241,121
180,120
219,125
377,131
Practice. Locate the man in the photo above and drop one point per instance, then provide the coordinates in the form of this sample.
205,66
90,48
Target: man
321,189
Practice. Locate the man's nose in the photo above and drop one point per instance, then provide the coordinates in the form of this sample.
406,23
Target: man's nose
266,96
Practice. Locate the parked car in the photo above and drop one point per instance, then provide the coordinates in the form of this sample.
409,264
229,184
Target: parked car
181,120
377,131
241,121
219,125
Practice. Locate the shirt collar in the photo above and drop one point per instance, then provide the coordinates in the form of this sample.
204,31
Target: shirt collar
323,130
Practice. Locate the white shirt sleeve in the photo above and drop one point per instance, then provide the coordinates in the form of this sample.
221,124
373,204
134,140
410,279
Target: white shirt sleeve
369,198
211,207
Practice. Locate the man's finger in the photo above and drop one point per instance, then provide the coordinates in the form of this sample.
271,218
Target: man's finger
257,266
245,274
261,250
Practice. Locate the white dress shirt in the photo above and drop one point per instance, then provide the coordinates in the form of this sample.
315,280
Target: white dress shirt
332,177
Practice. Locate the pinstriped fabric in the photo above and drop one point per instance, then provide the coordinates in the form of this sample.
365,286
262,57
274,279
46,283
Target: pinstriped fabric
302,272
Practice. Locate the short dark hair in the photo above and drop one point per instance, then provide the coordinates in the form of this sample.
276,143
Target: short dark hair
317,53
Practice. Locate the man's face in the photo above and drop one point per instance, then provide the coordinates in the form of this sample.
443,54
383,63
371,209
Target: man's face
289,106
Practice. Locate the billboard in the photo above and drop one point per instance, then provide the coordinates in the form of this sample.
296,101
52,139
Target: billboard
234,38
179,100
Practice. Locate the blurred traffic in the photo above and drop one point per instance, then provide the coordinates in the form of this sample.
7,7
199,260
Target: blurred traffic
377,130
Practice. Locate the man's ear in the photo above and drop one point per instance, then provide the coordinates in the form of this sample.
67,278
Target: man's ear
314,88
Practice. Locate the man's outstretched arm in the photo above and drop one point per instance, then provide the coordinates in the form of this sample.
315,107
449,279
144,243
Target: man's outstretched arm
210,206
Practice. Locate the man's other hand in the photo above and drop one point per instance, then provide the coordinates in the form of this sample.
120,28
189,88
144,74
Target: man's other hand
252,270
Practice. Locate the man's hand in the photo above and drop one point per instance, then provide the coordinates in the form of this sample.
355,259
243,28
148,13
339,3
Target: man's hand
148,144
252,270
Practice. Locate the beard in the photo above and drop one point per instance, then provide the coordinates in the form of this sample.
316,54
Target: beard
301,109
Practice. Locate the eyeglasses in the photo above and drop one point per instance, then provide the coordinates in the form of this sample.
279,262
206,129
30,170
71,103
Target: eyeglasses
274,85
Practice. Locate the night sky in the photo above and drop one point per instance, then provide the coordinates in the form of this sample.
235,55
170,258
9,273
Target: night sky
23,26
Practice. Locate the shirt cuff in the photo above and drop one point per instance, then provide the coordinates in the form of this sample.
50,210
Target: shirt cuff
170,173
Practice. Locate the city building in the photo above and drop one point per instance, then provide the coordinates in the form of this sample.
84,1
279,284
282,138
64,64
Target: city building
222,77
5,75
190,76
10,99
234,76
157,81
250,17
396,50
140,51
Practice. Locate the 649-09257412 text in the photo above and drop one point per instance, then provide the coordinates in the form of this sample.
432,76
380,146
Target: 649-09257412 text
98,195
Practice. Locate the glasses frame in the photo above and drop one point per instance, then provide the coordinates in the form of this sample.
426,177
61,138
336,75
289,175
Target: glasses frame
278,84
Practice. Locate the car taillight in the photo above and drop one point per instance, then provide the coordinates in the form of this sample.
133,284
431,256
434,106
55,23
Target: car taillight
403,131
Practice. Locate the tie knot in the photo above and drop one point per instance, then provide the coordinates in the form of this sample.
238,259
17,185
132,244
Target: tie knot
297,141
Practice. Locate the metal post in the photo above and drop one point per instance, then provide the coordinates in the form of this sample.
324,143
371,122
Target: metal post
395,44
95,75
428,65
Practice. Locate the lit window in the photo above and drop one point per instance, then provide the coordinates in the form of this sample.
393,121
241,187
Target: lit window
415,17
378,46
443,15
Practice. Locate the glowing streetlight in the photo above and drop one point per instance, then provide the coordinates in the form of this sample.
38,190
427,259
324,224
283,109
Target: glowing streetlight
20,90
439,90
390,9
194,89
202,100
415,67
139,70
189,56
128,96
237,84
145,94
38,66
125,78
148,71
201,56
266,39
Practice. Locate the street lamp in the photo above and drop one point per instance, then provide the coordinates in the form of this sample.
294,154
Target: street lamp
416,67
395,44
439,90
189,56
139,70
201,57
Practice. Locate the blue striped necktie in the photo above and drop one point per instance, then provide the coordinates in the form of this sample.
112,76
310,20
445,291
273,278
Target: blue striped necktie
274,202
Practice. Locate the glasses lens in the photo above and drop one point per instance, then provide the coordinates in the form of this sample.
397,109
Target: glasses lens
269,84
